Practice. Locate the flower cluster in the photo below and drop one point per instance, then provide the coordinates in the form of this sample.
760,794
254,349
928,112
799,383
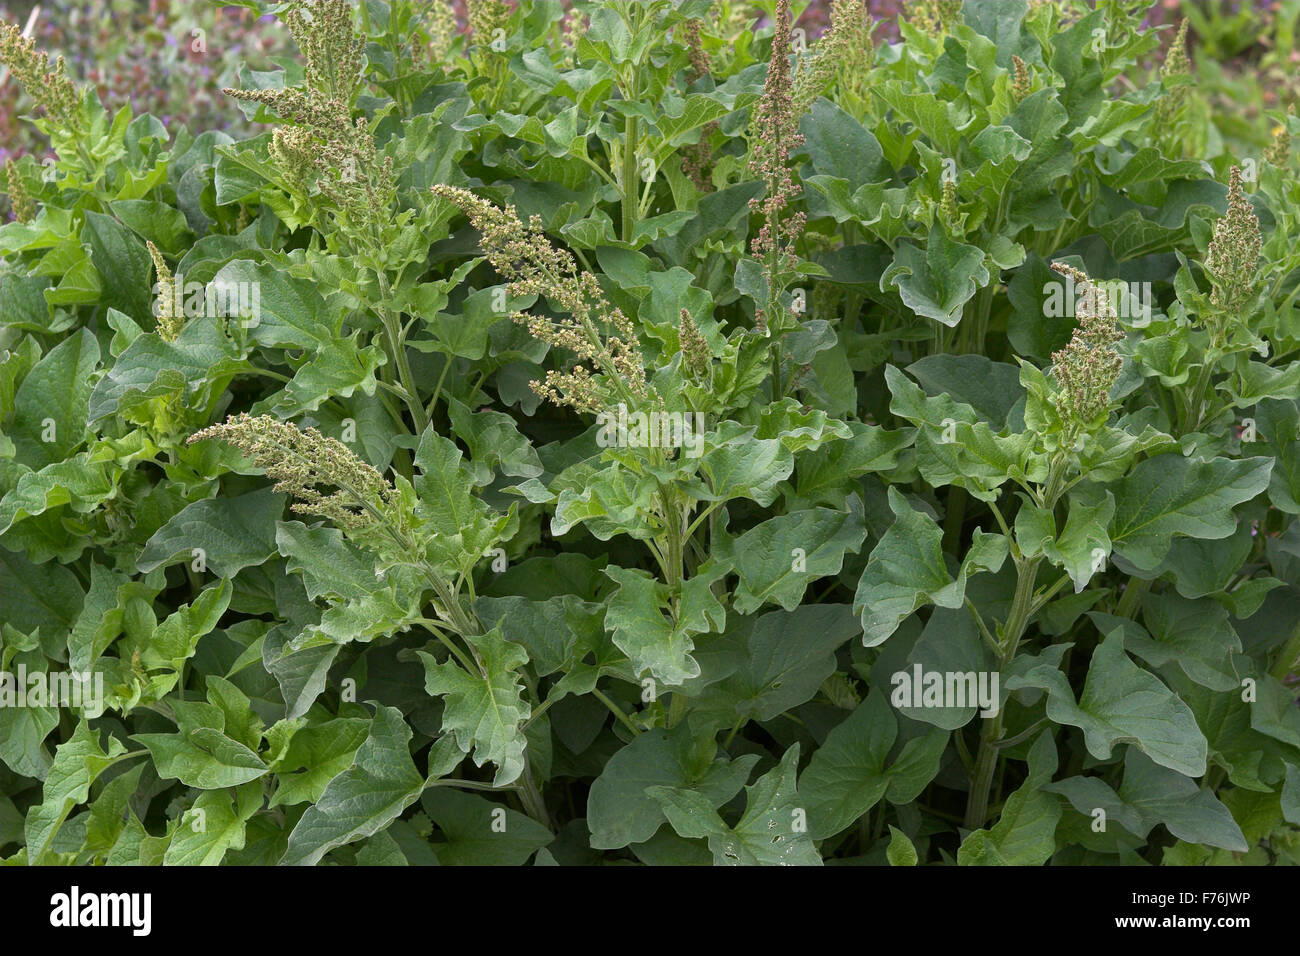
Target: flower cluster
1177,65
169,323
20,202
697,158
949,214
774,137
485,18
330,48
50,88
1087,368
1279,151
1234,251
302,463
845,50
595,331
325,143
695,350
442,30
934,17
1023,83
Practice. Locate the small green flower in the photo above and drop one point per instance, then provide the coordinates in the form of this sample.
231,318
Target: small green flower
594,330
169,323
51,89
695,350
1088,367
302,463
1233,255
23,208
1022,85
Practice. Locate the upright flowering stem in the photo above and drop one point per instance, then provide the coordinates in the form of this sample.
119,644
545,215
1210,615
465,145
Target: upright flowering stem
1231,262
775,136
1084,372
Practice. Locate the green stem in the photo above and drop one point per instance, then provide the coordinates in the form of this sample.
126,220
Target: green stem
616,710
1022,606
1289,657
631,133
1133,591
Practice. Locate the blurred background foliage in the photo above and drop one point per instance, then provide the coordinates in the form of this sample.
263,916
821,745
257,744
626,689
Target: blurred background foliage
172,57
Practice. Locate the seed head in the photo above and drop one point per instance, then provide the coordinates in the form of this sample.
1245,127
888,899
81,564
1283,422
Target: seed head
442,31
1234,251
775,136
1177,64
697,158
20,201
1023,82
695,350
169,323
948,211
827,58
485,18
934,17
51,89
593,329
302,463
331,49
1087,368
1279,151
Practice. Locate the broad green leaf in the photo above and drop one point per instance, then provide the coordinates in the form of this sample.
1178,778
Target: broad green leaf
777,559
1196,635
644,627
484,710
212,826
1151,794
49,413
620,811
479,832
315,756
290,313
1082,548
825,476
847,775
907,571
1122,703
200,754
365,798
937,282
769,832
1276,420
900,851
494,442
787,656
737,465
232,533
362,603
176,638
77,763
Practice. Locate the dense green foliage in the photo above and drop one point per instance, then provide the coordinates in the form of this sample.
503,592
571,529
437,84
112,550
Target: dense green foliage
324,450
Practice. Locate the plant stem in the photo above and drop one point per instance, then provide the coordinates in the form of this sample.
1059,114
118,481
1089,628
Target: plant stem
631,133
616,710
1289,657
1022,606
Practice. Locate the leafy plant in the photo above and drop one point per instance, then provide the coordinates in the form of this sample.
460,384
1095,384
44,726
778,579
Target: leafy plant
630,432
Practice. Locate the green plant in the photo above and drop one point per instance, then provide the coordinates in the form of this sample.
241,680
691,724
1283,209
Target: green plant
586,418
